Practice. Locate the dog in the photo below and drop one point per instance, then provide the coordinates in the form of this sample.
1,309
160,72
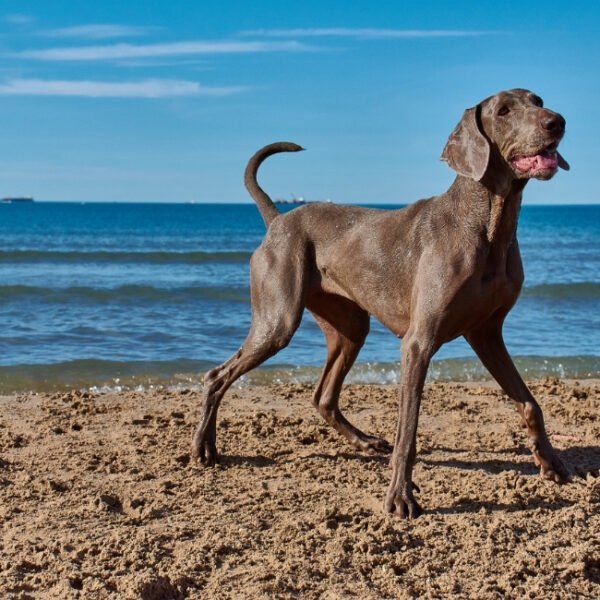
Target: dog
441,268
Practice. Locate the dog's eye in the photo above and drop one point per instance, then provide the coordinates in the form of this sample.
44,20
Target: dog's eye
504,110
538,101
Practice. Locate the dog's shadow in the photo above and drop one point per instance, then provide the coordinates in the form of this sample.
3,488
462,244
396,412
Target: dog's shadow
380,458
257,461
580,460
260,461
476,506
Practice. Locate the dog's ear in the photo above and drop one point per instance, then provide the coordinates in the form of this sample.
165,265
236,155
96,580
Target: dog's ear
467,150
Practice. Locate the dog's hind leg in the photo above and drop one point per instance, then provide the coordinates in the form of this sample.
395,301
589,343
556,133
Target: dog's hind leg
275,318
345,327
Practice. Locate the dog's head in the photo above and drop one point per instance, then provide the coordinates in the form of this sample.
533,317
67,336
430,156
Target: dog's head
511,130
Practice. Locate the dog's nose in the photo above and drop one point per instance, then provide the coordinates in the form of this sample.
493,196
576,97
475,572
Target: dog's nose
552,122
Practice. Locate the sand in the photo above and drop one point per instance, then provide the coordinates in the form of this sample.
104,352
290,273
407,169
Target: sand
100,499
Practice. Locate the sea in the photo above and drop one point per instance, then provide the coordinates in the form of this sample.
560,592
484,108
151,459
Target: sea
113,296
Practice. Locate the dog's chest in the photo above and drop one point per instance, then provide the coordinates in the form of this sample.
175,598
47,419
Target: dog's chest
491,287
498,284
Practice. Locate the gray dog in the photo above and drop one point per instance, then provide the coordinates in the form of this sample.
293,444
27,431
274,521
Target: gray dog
438,269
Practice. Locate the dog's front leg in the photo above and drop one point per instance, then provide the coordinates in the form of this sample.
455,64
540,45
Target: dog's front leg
416,354
488,344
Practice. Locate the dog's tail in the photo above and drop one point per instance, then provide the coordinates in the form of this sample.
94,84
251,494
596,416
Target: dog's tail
265,205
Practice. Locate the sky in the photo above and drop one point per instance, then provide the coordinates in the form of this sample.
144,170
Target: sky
166,101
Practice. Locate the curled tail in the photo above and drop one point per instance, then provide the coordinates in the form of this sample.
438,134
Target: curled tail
265,205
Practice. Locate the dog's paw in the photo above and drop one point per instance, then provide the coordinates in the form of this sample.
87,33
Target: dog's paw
403,505
205,452
371,443
551,466
555,470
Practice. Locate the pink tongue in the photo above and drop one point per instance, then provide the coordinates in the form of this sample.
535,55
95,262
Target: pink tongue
537,162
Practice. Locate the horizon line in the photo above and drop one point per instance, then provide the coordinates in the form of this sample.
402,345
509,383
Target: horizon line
251,202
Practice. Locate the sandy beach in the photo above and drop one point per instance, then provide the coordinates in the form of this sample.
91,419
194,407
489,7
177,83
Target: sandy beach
100,499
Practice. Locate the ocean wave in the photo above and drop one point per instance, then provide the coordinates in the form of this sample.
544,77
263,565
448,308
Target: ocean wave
106,375
129,292
124,293
96,373
583,289
448,369
121,257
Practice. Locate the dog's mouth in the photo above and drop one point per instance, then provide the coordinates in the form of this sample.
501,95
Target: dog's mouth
542,164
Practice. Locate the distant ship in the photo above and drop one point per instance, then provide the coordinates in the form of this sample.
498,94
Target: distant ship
17,199
298,200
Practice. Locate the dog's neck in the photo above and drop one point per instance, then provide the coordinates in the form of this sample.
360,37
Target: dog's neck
503,215
493,208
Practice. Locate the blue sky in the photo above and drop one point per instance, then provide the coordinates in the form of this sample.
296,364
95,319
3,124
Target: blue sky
166,101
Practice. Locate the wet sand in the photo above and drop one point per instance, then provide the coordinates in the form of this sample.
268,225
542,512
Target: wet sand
100,499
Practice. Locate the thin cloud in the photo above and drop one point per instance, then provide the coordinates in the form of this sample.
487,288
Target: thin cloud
200,64
18,19
147,88
120,51
366,33
97,31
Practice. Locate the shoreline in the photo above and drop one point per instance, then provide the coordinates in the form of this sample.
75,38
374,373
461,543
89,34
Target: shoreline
106,376
99,497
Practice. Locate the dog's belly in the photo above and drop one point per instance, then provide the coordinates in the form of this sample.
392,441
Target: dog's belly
390,305
451,315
